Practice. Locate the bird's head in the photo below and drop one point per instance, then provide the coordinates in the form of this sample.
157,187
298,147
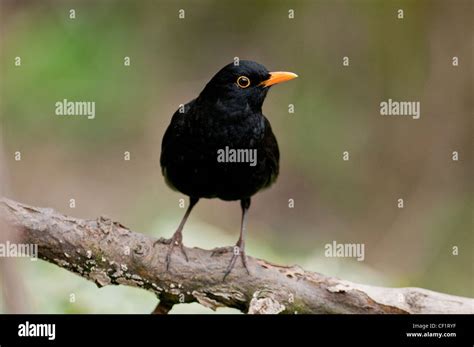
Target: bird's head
243,85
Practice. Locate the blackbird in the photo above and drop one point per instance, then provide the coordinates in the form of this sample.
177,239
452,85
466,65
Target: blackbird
208,147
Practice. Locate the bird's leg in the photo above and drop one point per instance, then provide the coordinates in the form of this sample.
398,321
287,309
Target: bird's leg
239,248
177,239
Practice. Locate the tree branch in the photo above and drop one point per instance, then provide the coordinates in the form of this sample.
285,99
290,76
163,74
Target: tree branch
107,252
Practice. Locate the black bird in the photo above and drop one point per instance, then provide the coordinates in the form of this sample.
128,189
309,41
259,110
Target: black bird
226,116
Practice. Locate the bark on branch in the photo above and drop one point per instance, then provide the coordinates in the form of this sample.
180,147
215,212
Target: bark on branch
106,252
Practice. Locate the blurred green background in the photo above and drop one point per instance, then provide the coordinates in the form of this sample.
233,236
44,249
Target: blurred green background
336,110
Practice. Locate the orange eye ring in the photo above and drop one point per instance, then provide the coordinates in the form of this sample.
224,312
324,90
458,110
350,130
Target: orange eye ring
243,82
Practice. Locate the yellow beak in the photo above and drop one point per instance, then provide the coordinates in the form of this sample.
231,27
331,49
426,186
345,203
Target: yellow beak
278,77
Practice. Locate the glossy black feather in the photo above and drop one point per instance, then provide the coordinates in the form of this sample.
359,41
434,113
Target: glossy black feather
223,115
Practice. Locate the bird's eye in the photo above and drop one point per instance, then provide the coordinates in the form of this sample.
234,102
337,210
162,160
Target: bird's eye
243,82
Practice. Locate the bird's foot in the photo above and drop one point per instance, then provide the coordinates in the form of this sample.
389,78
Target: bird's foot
176,240
238,250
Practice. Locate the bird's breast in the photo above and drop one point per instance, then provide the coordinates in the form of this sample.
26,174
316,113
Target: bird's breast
218,156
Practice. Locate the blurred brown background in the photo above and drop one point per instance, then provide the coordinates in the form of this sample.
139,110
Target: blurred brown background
336,110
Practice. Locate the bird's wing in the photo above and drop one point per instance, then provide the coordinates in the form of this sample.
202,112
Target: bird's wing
173,135
272,153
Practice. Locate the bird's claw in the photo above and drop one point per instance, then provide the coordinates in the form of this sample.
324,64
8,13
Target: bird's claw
176,240
238,251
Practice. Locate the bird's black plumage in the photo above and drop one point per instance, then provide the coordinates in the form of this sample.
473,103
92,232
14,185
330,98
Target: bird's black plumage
223,115
227,113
